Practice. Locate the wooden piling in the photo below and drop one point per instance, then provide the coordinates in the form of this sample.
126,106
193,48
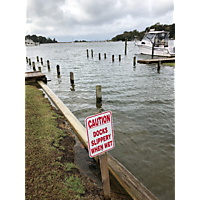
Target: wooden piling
33,64
92,53
72,81
48,64
98,96
71,78
113,58
41,61
104,55
125,46
159,63
99,56
105,175
29,61
37,59
58,70
87,53
39,68
153,44
134,61
119,58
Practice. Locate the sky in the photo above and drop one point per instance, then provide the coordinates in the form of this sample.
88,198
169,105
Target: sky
69,20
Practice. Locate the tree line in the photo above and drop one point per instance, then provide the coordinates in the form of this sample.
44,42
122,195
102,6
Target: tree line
40,39
135,34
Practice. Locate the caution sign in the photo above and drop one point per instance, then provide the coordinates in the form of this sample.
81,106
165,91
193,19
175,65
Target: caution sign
99,133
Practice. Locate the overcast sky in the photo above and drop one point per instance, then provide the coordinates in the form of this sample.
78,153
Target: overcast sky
68,20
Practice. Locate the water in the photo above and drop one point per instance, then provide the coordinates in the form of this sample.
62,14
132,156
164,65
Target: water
140,98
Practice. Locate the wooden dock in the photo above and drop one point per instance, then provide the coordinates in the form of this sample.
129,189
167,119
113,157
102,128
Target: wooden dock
31,78
162,60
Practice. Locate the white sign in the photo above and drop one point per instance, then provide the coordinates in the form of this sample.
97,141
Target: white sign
99,133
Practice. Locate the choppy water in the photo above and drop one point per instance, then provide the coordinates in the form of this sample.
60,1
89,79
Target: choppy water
140,98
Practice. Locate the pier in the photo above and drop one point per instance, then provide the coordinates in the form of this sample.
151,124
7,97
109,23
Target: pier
162,60
31,78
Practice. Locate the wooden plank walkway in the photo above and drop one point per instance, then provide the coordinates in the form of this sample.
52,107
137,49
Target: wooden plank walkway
31,78
36,74
163,60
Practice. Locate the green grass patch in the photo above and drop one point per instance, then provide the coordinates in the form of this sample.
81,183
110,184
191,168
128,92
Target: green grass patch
43,170
169,64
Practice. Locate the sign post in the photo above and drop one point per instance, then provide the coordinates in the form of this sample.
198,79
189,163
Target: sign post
100,140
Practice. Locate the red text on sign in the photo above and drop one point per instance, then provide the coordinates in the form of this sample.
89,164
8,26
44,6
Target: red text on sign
98,121
101,139
100,132
98,148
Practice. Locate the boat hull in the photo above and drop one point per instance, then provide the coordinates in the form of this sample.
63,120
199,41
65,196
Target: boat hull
158,51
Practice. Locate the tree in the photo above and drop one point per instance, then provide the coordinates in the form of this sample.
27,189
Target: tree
139,35
40,39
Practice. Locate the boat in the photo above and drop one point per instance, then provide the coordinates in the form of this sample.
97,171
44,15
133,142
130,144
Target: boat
156,43
29,42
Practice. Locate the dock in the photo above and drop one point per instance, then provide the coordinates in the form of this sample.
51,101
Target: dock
162,60
31,78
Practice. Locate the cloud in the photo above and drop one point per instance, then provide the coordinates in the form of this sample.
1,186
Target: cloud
94,19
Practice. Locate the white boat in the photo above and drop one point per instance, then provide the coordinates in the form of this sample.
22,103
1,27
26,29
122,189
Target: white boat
29,42
156,41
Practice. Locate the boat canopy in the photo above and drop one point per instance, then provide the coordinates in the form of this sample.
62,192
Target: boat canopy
157,37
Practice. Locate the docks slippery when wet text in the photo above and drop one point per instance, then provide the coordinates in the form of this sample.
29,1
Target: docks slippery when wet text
100,140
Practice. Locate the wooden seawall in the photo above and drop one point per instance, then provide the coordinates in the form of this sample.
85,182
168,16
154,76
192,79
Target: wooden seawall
133,187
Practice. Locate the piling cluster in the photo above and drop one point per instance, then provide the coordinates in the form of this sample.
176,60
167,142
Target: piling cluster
28,60
113,56
99,55
98,87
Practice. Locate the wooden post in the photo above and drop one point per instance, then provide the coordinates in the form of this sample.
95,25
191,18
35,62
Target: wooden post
125,46
98,96
33,63
92,53
29,61
37,59
39,68
48,64
71,78
119,58
159,63
105,175
41,61
87,53
134,61
58,70
104,55
153,44
113,58
72,81
99,56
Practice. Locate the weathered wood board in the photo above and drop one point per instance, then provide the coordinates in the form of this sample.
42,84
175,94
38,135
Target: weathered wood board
163,60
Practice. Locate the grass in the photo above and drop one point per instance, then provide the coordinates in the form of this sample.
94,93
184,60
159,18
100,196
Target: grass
46,177
169,64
